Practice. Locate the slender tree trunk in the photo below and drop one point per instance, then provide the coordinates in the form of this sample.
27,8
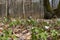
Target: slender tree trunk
7,8
23,9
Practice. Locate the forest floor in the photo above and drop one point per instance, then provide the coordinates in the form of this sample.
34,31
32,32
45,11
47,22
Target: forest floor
21,28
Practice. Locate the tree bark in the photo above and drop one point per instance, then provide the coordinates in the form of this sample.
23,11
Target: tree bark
57,11
47,6
48,12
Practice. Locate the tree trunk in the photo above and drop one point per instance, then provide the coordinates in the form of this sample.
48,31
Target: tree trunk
49,13
57,11
47,6
7,8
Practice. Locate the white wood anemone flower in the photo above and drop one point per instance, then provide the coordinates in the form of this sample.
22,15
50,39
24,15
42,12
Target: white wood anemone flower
47,27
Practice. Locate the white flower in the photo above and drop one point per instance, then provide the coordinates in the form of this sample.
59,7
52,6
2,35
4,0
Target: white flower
30,17
47,27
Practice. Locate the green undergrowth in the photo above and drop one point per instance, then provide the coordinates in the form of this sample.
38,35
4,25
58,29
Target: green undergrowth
40,30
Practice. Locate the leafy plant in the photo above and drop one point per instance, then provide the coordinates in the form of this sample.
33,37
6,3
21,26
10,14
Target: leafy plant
39,33
32,22
16,22
44,35
58,22
7,34
54,34
6,20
